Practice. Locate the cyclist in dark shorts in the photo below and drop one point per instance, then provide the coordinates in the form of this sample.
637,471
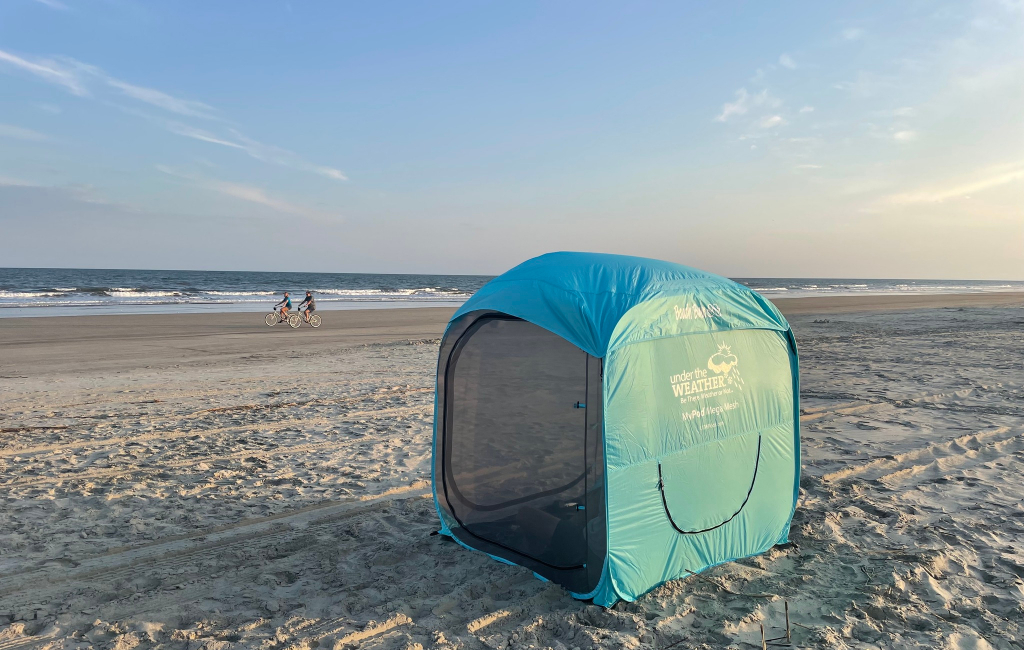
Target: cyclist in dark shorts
285,306
309,303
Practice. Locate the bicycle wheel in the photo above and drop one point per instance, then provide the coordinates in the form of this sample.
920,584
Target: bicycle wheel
294,320
272,319
314,320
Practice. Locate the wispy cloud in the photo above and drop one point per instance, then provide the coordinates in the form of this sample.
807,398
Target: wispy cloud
48,70
904,136
744,102
867,84
7,181
262,152
52,109
247,193
807,109
199,134
54,4
260,197
738,107
852,34
79,193
786,61
161,99
771,121
984,180
19,133
84,80
278,156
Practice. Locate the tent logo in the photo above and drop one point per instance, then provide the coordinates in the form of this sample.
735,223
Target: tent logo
724,363
694,312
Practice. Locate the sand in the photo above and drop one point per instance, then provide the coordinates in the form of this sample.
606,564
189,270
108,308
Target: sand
204,481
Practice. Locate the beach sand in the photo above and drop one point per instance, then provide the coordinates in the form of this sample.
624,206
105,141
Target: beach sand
204,481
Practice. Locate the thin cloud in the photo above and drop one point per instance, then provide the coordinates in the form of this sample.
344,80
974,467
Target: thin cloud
807,109
47,70
19,133
54,4
904,136
76,192
336,174
198,134
247,193
852,34
993,177
162,100
744,102
258,196
7,181
738,107
771,121
92,74
86,80
278,156
786,61
867,84
262,152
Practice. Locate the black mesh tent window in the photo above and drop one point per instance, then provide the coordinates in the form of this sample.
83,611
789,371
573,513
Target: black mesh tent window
521,462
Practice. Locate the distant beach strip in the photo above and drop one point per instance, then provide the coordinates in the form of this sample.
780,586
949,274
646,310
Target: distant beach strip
66,292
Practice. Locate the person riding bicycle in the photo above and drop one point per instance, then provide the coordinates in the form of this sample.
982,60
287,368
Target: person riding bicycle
310,305
285,305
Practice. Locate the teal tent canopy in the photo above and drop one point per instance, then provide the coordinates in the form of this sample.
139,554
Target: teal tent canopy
613,422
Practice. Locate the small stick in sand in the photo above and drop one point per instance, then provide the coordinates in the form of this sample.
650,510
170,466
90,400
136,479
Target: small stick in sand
789,635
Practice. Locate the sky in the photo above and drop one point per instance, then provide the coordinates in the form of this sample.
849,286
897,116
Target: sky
789,139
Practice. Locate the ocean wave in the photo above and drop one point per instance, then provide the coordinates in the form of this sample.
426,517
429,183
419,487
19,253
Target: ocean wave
138,293
30,294
55,303
391,292
237,293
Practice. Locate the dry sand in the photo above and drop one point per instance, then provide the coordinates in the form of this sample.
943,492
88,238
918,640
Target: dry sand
204,481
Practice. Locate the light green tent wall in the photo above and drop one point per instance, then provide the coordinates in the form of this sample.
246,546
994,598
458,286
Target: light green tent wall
716,411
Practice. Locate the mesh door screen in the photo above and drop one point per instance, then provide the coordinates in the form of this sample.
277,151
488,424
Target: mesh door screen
516,451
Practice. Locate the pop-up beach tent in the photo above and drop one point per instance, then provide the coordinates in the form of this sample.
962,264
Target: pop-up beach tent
612,423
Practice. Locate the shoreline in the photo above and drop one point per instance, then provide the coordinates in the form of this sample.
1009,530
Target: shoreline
848,304
797,305
192,309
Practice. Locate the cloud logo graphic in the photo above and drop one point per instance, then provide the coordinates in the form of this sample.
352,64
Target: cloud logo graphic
722,361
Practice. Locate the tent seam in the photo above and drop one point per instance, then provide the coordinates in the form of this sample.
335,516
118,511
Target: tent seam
624,344
705,281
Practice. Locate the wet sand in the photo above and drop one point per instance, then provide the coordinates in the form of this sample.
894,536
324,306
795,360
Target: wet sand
204,481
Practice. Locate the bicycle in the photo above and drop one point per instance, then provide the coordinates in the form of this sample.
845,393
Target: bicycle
314,320
273,318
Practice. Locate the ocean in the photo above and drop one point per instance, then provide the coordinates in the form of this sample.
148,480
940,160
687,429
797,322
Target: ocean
53,292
